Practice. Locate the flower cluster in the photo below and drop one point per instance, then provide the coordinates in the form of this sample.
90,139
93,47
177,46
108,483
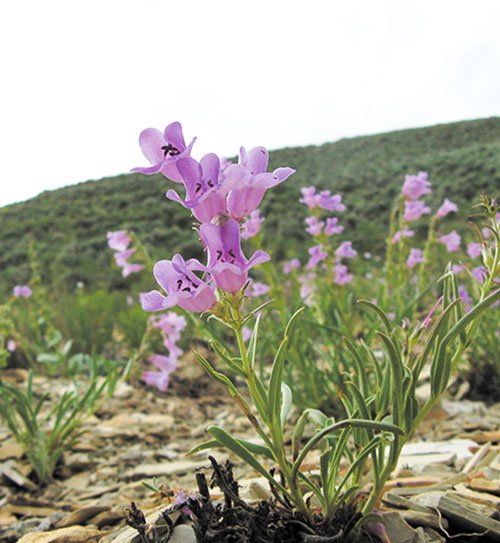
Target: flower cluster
170,326
414,187
22,291
322,229
119,241
220,195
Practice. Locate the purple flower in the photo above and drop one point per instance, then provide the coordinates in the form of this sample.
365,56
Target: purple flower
290,265
121,260
22,291
457,269
313,226
451,240
129,268
182,286
118,240
170,324
246,333
416,186
226,262
405,233
414,210
316,255
201,180
122,257
480,273
330,203
416,257
158,379
246,182
341,274
164,150
309,197
446,207
345,250
306,289
251,227
332,226
164,363
474,249
180,498
257,289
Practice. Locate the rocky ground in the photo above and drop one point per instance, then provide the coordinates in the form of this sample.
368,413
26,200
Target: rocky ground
447,483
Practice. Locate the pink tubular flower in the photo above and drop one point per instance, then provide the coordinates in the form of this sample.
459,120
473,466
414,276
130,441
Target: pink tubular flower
316,255
414,209
22,291
309,197
158,379
341,274
474,249
331,203
164,363
345,250
416,186
201,180
118,240
257,289
251,227
246,333
164,150
226,262
333,226
451,240
480,273
416,257
290,265
129,268
457,269
246,182
405,233
306,287
446,207
170,324
182,286
313,226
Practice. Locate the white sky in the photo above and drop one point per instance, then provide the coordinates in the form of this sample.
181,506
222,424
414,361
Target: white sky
81,79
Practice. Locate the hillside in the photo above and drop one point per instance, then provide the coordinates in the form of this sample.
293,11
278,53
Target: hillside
69,225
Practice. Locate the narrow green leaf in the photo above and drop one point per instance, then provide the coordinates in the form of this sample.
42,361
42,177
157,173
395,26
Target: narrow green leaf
233,363
252,345
379,311
354,423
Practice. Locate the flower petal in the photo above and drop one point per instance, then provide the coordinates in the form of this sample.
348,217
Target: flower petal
151,141
155,301
257,160
173,135
165,275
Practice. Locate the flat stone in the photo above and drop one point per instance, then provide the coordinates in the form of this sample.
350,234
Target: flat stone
183,534
72,534
81,515
11,449
398,529
9,470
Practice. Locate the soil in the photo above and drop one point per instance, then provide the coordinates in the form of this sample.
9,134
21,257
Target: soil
134,451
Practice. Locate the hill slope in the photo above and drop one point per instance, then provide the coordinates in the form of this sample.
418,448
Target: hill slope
69,225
